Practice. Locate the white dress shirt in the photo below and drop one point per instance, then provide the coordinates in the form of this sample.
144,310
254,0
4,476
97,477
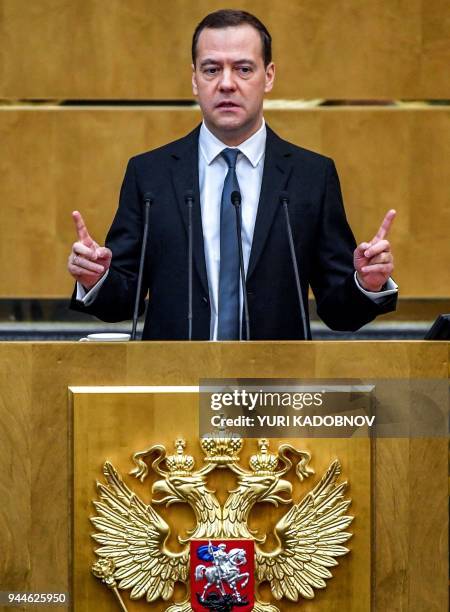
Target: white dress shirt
212,169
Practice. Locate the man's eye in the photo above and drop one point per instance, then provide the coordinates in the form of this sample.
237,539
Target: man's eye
245,70
210,71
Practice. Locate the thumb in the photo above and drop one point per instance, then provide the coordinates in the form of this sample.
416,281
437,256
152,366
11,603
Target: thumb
361,248
103,252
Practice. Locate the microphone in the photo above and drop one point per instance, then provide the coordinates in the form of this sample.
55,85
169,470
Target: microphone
284,201
236,201
189,200
148,199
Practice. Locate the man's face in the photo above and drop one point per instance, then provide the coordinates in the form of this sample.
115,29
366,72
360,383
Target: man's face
230,80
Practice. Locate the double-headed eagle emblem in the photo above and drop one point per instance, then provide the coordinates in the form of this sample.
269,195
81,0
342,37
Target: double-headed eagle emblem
134,553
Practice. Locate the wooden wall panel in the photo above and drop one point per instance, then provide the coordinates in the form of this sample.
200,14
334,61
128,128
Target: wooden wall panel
140,49
411,547
16,480
390,159
58,160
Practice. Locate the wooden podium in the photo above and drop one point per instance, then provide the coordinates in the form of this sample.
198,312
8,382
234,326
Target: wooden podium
61,416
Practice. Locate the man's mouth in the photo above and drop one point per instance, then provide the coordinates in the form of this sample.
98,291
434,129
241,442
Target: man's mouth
227,104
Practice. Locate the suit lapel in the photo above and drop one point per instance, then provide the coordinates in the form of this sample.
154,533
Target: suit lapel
184,177
277,168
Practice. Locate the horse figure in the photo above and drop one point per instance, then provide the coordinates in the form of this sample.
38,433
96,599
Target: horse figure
226,571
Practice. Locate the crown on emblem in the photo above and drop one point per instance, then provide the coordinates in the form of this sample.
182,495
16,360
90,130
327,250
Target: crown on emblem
221,448
180,464
264,462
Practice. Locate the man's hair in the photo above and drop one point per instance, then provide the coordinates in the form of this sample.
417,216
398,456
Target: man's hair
226,18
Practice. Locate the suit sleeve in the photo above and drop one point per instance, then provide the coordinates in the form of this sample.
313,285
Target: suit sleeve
340,304
115,300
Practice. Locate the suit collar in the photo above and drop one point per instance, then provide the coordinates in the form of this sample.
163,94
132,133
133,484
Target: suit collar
253,148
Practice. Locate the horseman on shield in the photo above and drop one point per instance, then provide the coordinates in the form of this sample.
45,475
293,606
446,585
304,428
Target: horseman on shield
220,559
225,569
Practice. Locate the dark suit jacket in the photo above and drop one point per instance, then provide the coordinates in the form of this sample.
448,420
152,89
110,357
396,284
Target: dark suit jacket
323,240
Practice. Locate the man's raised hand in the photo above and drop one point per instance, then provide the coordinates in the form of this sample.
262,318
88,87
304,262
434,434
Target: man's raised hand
373,260
88,261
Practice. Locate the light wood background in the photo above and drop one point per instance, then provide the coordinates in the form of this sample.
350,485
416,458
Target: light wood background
140,49
55,159
58,160
410,549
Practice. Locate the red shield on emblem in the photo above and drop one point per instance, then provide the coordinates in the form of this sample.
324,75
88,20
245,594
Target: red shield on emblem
222,575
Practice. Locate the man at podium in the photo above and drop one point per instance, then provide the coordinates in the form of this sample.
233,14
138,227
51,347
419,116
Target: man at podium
233,152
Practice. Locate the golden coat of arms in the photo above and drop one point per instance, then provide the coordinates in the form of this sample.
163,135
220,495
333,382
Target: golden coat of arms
222,561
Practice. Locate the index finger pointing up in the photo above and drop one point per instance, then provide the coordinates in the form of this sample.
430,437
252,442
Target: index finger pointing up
82,232
385,226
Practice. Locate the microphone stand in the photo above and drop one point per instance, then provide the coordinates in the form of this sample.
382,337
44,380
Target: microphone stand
284,200
148,199
236,201
189,199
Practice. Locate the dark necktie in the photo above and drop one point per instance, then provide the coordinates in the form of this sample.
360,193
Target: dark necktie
228,307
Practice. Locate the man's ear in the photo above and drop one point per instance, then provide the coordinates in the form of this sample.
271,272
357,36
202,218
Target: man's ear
270,77
194,81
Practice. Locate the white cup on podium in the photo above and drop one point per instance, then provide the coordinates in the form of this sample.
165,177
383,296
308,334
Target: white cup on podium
106,337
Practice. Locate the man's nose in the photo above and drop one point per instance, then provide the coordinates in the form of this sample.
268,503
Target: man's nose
227,82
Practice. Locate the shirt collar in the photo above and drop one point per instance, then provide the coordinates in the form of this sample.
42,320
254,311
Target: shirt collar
253,148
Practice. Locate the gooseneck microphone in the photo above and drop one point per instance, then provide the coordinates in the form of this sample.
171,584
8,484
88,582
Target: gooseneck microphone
284,201
189,200
236,201
148,199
